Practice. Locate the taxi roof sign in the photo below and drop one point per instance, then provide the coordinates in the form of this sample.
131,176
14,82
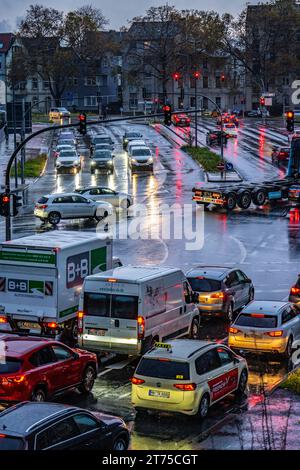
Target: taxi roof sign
163,345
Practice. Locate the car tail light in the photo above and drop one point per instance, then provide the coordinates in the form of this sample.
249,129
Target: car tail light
233,330
218,295
13,380
42,206
80,322
3,320
141,327
136,381
2,436
274,334
294,290
186,387
52,325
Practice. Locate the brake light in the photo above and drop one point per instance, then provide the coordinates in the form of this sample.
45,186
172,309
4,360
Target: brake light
186,387
136,381
3,320
294,290
218,295
43,206
80,316
233,330
141,327
17,379
52,325
2,436
257,315
275,334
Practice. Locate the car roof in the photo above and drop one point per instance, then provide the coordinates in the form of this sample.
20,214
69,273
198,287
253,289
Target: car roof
267,307
132,133
88,188
26,416
134,273
182,349
133,142
214,272
17,346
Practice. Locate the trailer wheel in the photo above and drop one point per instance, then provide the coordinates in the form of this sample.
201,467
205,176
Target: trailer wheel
231,201
244,199
259,197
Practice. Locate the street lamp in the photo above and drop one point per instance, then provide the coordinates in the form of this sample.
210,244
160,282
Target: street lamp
196,76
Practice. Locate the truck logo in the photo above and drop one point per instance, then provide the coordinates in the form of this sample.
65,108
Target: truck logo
78,267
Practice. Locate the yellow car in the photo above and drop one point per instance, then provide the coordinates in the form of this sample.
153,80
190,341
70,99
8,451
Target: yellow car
187,377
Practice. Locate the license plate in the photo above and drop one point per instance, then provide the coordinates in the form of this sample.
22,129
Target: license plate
156,393
254,336
96,332
29,325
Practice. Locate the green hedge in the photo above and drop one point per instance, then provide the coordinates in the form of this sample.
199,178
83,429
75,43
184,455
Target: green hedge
33,168
292,383
209,160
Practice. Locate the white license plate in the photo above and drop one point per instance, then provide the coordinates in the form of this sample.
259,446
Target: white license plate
96,332
156,393
29,325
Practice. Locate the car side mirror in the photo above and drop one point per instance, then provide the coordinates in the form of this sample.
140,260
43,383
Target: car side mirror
76,356
195,297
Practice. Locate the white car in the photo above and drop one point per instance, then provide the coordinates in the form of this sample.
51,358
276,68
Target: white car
54,207
99,193
230,129
187,377
61,147
135,143
141,158
68,160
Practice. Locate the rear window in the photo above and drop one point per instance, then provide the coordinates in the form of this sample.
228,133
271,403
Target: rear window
116,306
11,443
10,365
199,284
164,369
257,320
96,305
43,200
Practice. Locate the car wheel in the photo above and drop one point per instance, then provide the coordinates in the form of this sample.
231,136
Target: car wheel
259,197
203,406
88,380
120,444
38,395
244,200
289,348
195,329
242,383
125,203
229,313
54,218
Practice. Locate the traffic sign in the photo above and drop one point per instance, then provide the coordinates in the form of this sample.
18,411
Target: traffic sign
221,166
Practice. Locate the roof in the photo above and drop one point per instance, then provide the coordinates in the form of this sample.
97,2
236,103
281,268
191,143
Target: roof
17,346
134,273
55,239
181,349
215,272
6,39
20,418
268,307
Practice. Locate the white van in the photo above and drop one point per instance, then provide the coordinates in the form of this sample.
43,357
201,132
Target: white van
127,309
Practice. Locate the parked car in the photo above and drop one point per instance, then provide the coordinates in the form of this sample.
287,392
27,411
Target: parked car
102,160
54,426
53,208
39,369
141,158
266,326
128,136
222,291
295,292
187,377
100,193
254,113
58,113
280,154
181,120
68,160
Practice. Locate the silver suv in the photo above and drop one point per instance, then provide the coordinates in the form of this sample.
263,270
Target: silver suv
54,207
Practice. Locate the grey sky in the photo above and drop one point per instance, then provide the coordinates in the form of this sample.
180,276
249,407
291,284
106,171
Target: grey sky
117,11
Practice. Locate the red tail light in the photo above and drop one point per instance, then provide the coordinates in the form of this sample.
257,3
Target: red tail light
233,330
186,387
141,327
274,334
3,320
42,206
294,290
80,322
136,381
218,295
52,325
16,380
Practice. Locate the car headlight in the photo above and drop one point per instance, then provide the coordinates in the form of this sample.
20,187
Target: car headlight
93,163
150,160
77,162
58,164
110,162
126,141
133,160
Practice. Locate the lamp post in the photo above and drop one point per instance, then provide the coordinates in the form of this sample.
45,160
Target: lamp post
196,76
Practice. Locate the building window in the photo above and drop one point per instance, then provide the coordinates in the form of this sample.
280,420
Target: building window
35,83
102,80
218,101
218,82
133,101
90,101
46,85
205,82
72,81
90,81
105,62
192,102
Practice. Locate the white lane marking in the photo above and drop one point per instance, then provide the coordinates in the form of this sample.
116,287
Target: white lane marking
120,365
125,395
241,247
103,372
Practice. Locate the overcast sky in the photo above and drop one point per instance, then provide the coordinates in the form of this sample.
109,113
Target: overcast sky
117,11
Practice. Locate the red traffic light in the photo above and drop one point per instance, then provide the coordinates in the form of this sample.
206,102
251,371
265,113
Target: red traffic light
176,76
262,100
196,75
167,108
5,199
82,117
222,78
290,114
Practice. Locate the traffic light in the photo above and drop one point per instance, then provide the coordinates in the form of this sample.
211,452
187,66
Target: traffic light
168,114
262,101
223,78
176,76
290,121
5,204
17,201
82,123
197,75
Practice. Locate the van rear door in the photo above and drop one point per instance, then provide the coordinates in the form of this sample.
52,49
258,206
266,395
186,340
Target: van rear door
124,314
97,324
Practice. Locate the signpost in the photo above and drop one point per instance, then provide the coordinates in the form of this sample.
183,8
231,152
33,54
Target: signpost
15,113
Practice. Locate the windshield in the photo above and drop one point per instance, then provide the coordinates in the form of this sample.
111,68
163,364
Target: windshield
43,200
66,142
104,155
140,152
67,154
102,140
132,136
199,284
10,365
115,306
257,320
11,443
164,369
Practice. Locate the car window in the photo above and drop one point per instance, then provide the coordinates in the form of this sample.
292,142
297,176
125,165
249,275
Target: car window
60,432
79,199
43,200
256,320
241,276
61,353
207,362
96,304
95,192
225,356
85,423
11,443
124,306
107,191
164,369
201,284
63,200
42,357
10,365
287,315
232,279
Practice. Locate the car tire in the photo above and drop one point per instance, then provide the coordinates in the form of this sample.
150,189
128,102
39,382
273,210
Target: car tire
120,444
242,383
39,395
54,218
229,313
289,348
88,380
244,200
195,329
203,406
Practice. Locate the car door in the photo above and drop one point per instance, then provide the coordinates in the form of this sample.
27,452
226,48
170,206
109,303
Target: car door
63,205
82,207
93,433
234,289
45,370
210,372
63,435
244,286
110,196
230,369
290,321
68,366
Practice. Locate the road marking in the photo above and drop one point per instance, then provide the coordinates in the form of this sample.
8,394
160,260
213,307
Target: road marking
103,372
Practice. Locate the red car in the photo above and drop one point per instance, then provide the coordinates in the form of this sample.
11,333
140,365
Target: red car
38,368
280,154
181,120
